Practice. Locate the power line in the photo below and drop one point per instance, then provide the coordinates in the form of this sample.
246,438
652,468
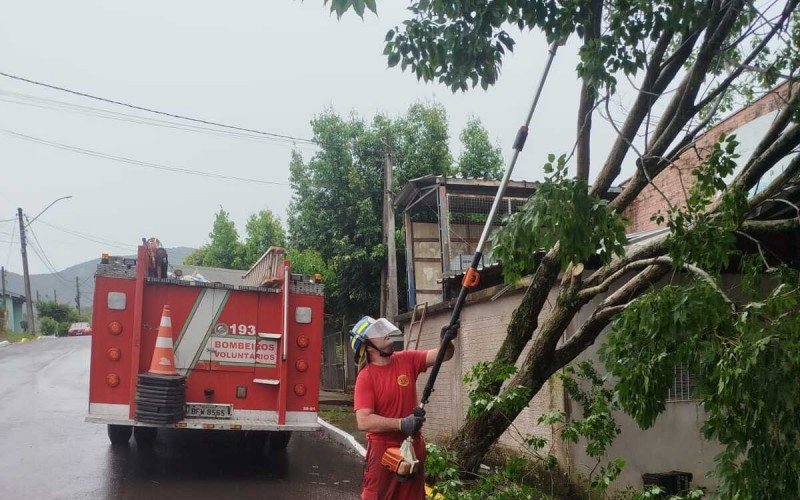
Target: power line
155,111
274,135
132,161
43,261
56,105
94,239
41,249
11,245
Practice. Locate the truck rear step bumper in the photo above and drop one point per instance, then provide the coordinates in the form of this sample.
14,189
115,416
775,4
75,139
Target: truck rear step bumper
245,420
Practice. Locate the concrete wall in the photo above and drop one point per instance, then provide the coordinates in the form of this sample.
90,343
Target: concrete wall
14,315
675,442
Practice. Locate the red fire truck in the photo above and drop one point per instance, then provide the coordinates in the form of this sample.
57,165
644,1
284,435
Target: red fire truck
247,343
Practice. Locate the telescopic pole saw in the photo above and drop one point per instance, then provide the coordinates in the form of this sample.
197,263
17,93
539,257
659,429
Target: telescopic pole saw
471,277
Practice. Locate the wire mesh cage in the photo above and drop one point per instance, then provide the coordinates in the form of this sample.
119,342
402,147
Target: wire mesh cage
467,215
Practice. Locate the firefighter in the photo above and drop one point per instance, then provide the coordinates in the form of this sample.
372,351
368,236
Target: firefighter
384,402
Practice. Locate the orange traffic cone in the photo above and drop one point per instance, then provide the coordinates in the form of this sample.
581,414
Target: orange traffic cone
163,362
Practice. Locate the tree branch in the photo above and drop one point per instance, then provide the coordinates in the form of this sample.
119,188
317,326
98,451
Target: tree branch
590,292
588,96
653,249
760,165
778,183
771,226
602,315
648,95
681,108
722,87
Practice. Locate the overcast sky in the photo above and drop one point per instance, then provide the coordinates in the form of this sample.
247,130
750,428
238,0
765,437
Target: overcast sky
268,65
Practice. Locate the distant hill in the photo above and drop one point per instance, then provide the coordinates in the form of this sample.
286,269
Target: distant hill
61,286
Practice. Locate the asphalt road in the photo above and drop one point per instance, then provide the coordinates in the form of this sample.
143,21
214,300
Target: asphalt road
48,451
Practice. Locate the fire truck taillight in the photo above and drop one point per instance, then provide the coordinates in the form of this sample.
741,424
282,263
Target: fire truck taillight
112,379
114,354
115,328
301,365
302,341
300,390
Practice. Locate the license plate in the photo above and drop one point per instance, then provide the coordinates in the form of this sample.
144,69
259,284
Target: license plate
201,410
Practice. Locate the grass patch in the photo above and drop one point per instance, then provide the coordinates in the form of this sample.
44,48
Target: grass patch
16,336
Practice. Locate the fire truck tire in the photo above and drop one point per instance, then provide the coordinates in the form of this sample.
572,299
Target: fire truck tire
119,434
145,436
279,440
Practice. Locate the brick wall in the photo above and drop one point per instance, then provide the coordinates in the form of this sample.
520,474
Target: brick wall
676,179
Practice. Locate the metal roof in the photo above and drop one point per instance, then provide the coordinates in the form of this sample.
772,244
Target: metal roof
415,188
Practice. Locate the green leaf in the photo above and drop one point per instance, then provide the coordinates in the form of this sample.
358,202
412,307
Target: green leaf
358,6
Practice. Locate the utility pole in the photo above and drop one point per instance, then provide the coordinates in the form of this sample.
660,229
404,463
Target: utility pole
26,275
55,296
4,315
77,295
389,293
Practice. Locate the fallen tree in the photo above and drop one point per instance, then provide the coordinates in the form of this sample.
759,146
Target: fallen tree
687,63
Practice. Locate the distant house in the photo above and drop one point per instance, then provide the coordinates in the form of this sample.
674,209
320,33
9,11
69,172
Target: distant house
442,221
14,304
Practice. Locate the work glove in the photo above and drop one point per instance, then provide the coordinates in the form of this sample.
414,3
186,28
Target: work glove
450,331
411,424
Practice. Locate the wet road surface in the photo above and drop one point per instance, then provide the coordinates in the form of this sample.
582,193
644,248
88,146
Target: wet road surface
48,451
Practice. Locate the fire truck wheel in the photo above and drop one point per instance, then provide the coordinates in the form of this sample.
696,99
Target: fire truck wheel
119,434
279,440
145,436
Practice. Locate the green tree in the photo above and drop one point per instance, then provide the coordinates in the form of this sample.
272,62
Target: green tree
264,230
688,62
224,250
338,195
420,142
336,211
48,326
480,158
307,262
59,312
55,318
196,257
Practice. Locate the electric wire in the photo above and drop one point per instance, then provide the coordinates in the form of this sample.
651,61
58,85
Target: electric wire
38,255
132,161
11,245
286,137
56,105
155,111
49,264
88,237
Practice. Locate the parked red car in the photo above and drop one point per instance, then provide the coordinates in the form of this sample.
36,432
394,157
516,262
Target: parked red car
78,329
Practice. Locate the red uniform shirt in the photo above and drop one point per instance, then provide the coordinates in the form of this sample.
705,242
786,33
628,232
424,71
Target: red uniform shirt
390,390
